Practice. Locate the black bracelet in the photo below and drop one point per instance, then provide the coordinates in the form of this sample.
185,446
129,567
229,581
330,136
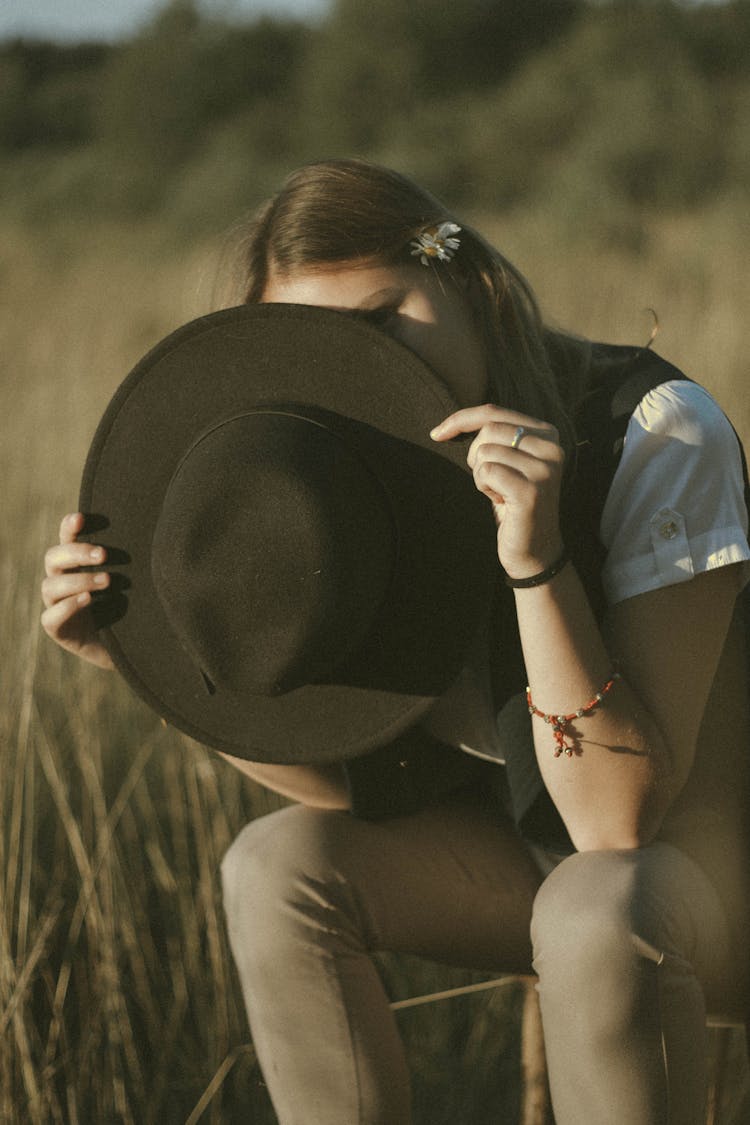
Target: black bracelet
542,577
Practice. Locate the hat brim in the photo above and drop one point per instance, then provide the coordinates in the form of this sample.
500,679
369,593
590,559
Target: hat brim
233,361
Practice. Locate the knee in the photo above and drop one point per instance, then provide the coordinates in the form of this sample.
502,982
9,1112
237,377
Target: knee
283,866
596,918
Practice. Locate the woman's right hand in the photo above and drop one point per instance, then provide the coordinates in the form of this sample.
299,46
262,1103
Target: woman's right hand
67,592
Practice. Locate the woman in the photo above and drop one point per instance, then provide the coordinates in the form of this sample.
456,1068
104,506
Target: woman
626,894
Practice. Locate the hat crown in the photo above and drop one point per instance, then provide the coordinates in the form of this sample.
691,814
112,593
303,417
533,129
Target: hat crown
273,552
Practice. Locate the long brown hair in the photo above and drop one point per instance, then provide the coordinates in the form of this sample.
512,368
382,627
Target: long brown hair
353,210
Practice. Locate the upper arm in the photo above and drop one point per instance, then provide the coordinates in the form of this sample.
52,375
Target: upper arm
668,643
675,526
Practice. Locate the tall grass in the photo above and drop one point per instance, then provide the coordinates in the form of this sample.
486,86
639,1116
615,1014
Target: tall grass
118,1000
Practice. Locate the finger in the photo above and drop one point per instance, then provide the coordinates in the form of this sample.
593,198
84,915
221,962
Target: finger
64,556
516,435
502,483
58,615
472,418
65,585
536,449
71,526
482,452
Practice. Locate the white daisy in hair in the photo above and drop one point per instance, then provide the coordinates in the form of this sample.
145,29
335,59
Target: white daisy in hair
436,242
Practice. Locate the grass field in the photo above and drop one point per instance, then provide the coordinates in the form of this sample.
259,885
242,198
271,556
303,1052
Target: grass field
118,1002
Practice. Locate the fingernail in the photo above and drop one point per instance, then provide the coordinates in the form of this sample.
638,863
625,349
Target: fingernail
101,579
83,598
436,431
97,554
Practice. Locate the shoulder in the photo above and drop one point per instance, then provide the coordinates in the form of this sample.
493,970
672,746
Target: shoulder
676,424
682,410
676,504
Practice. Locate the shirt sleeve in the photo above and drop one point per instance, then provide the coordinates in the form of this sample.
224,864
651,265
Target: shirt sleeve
676,505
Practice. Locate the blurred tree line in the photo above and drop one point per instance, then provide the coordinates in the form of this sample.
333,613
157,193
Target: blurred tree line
586,108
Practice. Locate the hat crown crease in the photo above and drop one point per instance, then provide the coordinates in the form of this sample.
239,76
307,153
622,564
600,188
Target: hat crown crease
273,553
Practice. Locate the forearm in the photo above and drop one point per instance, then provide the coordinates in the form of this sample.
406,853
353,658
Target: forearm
615,788
634,752
318,786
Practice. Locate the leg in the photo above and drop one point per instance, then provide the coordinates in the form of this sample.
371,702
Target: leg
624,944
309,893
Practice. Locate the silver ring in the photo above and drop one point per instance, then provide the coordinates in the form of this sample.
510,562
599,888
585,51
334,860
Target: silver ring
521,430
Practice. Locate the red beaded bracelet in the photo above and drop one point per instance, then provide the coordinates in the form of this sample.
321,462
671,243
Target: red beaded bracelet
559,723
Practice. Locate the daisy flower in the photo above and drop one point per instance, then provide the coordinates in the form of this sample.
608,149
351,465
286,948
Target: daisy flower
436,242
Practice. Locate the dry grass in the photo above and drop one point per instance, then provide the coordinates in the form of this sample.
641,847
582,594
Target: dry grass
117,996
116,1002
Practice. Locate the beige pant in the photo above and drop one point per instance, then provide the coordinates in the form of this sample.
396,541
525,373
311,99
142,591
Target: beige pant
623,942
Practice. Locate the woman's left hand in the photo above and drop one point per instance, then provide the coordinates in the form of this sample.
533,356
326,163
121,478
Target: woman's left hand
517,462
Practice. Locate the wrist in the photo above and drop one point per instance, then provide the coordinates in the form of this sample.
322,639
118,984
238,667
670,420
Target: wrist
526,570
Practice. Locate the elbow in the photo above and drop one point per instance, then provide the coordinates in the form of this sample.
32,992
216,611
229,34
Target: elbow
622,829
620,838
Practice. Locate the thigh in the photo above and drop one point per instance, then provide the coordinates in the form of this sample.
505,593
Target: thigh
453,883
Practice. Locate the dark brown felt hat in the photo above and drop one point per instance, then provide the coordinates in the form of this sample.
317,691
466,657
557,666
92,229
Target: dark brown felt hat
298,570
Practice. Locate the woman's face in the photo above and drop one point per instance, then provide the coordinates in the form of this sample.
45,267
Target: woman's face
416,305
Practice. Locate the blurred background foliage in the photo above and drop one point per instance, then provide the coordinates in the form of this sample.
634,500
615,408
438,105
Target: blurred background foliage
592,111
